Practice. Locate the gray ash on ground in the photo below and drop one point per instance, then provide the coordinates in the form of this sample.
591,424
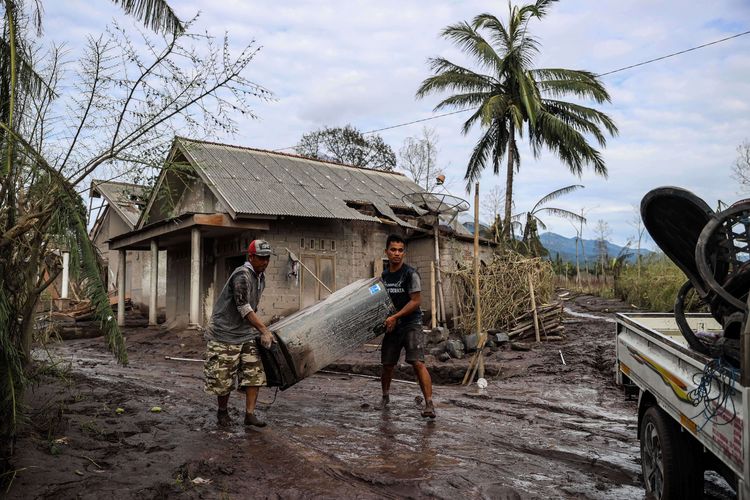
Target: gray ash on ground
541,429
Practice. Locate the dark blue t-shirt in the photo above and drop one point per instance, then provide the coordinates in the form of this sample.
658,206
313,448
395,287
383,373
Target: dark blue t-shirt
400,285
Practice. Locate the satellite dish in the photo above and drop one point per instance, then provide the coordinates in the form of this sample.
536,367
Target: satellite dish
437,203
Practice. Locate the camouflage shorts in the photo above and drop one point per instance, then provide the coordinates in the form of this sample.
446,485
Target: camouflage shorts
227,362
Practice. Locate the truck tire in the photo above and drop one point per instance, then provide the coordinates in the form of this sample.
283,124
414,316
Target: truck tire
669,460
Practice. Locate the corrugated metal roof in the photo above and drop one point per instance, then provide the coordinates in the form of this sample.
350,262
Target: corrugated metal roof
257,182
126,199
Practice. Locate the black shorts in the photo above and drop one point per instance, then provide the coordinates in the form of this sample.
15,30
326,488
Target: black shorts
409,337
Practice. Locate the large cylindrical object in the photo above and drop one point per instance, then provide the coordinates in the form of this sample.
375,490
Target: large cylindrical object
318,335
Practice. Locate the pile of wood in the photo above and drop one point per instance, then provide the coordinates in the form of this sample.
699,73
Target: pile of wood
82,310
78,311
549,321
506,286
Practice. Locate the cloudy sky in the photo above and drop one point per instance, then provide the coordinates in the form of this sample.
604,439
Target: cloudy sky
331,63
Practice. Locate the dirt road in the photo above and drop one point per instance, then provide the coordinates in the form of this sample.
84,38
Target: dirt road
542,429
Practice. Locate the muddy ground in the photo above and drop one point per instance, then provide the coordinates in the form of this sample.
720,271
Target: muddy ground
541,429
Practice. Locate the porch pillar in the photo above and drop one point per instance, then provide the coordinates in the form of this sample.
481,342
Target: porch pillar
154,284
195,276
65,275
121,256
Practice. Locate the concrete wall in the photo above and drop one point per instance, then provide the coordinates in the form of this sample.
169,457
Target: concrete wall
350,248
354,248
137,265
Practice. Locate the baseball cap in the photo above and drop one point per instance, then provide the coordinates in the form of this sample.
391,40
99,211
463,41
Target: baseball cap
261,248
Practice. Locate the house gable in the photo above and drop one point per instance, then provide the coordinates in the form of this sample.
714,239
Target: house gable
180,190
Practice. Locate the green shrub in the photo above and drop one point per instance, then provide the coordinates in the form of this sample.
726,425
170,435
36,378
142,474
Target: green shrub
657,286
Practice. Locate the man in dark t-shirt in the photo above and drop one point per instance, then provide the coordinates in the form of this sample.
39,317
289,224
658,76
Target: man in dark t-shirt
404,327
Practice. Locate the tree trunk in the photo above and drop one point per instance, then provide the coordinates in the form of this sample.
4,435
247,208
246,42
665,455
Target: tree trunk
32,297
509,188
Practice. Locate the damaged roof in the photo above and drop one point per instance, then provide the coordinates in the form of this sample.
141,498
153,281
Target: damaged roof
128,200
258,182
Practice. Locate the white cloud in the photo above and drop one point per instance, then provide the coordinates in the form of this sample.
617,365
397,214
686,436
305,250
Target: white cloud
336,62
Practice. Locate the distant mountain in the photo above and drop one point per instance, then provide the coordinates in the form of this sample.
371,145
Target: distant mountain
566,247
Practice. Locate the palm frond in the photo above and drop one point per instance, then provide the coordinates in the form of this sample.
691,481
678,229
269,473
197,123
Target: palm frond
91,276
585,119
28,78
563,214
560,82
486,148
455,79
155,14
568,144
12,378
477,115
556,194
465,37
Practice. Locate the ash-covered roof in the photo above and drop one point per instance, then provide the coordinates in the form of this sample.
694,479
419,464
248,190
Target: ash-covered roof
258,182
126,199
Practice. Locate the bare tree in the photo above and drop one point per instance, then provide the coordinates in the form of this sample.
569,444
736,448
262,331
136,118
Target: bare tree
640,230
492,203
741,167
579,241
418,157
116,113
602,232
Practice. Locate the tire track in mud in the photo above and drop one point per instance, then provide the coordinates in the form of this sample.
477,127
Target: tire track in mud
596,466
555,423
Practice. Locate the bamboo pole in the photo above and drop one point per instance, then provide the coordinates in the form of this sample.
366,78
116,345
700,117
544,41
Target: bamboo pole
533,308
478,305
437,270
433,302
294,258
477,361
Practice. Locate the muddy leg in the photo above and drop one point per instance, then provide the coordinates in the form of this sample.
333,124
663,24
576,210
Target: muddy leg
385,382
223,401
222,415
251,396
423,376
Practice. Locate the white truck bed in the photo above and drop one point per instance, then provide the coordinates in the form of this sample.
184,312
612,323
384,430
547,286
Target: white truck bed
653,355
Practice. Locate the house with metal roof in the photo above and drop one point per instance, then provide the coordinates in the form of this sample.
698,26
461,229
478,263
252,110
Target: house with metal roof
119,208
326,222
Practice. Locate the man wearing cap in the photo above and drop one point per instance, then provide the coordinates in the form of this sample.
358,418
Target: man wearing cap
233,333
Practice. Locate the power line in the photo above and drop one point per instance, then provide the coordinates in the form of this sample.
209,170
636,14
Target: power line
673,54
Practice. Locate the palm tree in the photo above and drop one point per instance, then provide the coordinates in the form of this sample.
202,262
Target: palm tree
510,95
534,222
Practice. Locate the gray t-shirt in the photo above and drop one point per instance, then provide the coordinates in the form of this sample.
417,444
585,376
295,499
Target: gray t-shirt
240,295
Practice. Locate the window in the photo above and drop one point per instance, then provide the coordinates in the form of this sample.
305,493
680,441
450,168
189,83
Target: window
302,243
333,244
312,244
322,244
